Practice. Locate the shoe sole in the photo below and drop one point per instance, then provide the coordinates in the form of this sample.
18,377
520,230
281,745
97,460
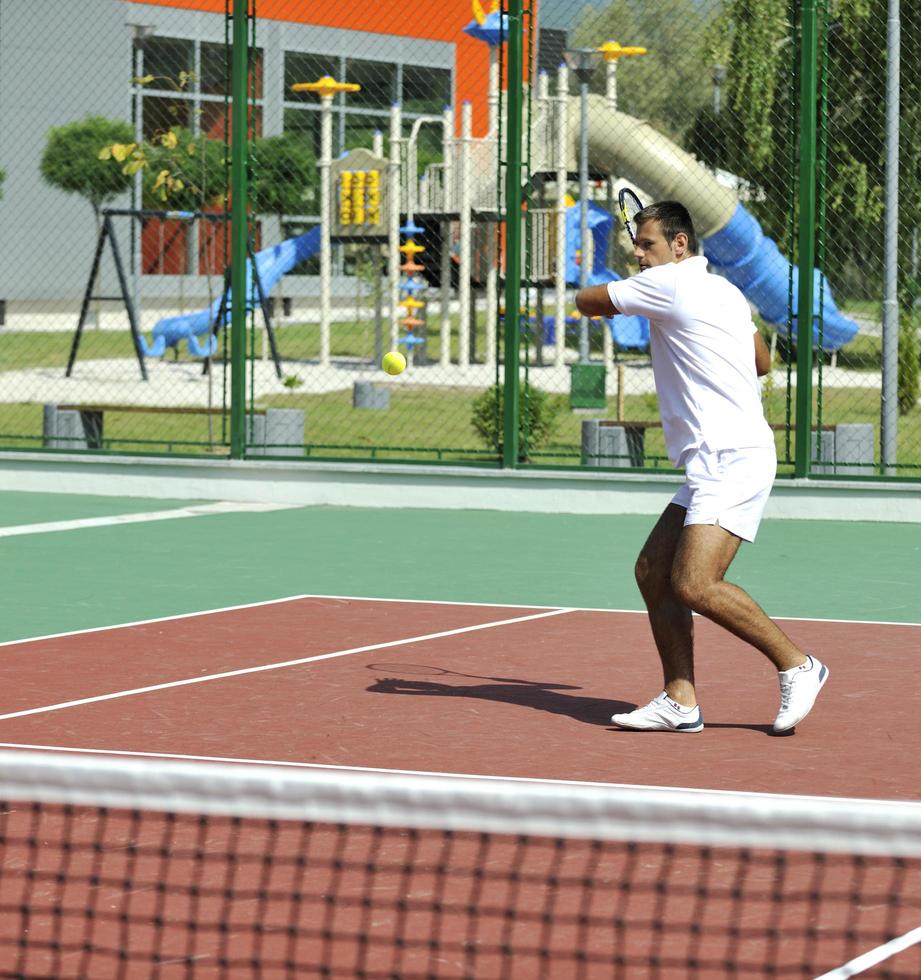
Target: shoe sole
823,677
687,729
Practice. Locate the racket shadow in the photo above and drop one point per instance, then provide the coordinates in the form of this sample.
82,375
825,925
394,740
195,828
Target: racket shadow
552,698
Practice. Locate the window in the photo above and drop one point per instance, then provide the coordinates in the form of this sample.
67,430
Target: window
426,90
311,265
212,120
215,69
161,113
304,123
166,58
360,130
378,81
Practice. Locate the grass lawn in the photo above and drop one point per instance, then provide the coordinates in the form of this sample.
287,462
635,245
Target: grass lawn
422,423
430,423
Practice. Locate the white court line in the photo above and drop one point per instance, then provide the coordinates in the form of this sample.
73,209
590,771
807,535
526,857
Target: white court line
684,790
278,666
419,602
196,510
874,956
273,602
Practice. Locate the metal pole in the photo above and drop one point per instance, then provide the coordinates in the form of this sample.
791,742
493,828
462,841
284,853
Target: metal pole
239,193
326,249
562,176
448,139
393,226
136,225
583,214
464,296
889,408
513,202
807,215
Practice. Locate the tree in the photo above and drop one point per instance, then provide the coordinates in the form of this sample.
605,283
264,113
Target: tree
284,171
753,139
284,177
671,82
71,161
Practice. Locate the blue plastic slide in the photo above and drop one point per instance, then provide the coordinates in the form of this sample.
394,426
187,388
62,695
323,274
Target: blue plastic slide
272,263
740,251
627,331
751,261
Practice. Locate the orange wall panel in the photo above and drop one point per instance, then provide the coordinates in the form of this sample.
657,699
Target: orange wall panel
441,21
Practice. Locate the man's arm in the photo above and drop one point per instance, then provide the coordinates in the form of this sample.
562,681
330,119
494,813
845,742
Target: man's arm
595,301
762,355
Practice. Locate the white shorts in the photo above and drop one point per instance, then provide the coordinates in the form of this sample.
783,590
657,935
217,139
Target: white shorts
728,487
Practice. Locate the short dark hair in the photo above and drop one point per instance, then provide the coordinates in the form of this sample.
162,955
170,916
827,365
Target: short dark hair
673,217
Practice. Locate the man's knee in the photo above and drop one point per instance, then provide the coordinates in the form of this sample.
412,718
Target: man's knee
691,589
650,576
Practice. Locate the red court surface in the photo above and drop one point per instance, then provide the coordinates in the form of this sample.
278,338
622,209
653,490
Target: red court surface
531,698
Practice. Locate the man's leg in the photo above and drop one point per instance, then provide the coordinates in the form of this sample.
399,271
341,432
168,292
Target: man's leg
669,617
702,556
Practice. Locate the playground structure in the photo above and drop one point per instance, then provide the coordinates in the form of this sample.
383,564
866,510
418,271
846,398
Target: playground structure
369,197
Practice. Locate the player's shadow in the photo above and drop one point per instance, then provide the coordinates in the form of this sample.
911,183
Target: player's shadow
527,694
539,695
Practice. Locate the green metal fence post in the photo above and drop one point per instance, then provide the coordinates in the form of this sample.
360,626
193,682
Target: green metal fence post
239,137
807,219
513,200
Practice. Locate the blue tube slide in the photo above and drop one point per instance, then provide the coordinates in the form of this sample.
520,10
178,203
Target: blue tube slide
272,263
751,261
740,251
627,331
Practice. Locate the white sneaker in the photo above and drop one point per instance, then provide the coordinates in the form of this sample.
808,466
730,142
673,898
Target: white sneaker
662,715
799,687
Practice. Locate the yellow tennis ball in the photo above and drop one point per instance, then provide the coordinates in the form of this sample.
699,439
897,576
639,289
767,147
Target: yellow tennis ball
394,362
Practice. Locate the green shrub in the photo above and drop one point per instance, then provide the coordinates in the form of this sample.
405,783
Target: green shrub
538,414
181,171
909,362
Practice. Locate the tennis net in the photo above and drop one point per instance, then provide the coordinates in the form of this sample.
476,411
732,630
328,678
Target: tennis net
111,867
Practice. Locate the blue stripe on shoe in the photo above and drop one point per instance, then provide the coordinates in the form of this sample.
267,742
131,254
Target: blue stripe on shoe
690,724
823,672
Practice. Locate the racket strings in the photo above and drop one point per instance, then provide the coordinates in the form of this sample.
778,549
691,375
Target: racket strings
630,206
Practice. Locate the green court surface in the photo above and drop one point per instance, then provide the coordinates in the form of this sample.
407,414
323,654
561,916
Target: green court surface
38,508
63,580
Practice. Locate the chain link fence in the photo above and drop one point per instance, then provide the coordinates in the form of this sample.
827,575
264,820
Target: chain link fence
372,209
378,153
704,103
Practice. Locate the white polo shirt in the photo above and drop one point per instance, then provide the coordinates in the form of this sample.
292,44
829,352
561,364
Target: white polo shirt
703,358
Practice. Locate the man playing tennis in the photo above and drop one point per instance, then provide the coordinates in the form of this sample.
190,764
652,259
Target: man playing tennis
706,358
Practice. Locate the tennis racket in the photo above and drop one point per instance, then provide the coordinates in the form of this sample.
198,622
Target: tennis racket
629,204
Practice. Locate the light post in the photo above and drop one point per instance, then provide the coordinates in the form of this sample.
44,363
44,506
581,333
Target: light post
140,34
718,76
582,62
